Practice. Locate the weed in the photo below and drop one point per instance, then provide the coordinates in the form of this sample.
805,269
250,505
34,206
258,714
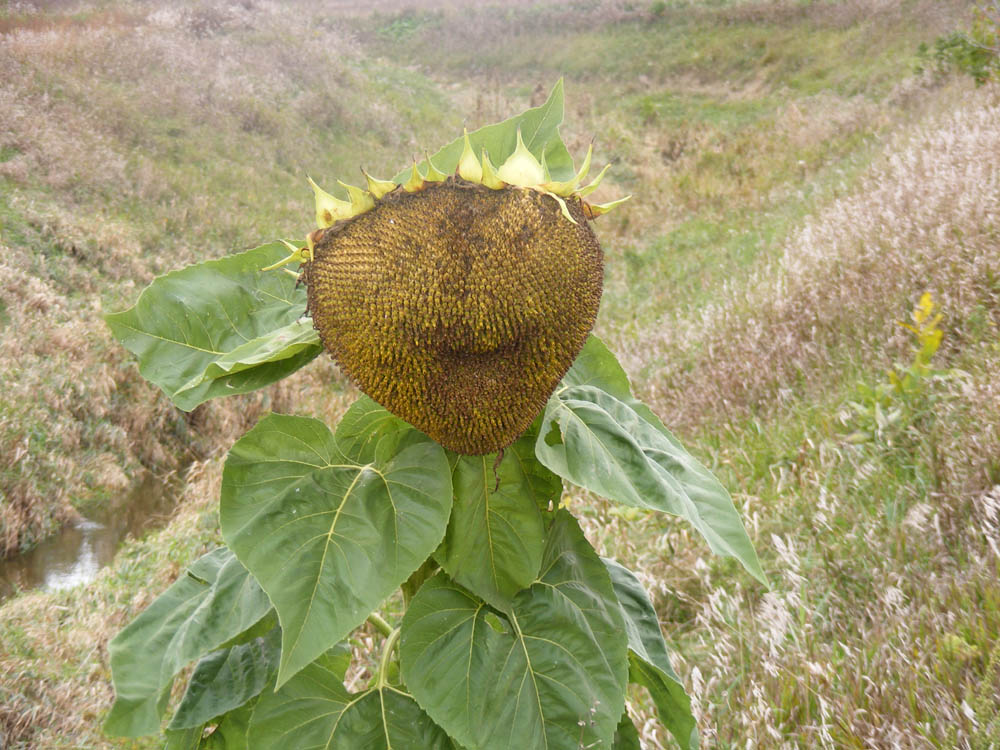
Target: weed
975,52
903,401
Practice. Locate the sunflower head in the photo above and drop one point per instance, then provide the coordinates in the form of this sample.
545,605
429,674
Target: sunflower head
458,301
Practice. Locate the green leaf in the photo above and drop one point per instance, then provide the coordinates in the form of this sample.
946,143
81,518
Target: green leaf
539,129
553,676
214,601
231,732
288,342
218,328
226,679
595,365
626,736
496,534
615,446
184,739
649,662
330,528
313,710
368,425
234,728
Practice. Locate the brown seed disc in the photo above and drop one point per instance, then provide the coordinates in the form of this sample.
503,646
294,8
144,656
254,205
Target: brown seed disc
458,308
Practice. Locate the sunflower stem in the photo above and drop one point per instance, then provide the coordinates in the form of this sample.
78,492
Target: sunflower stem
380,624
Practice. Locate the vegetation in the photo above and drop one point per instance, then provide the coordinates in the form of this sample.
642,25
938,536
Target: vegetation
801,188
976,51
510,629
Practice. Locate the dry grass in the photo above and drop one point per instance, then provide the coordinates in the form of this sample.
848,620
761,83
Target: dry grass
78,423
922,219
133,140
54,678
881,628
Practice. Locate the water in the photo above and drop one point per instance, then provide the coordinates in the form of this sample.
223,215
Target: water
74,555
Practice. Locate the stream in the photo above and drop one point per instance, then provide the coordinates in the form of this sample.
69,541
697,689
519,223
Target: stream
75,554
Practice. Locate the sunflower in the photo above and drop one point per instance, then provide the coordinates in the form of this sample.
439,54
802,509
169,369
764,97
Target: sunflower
458,301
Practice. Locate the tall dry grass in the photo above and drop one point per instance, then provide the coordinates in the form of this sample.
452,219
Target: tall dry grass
922,219
881,629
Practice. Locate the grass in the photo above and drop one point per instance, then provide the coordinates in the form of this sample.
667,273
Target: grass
117,182
797,189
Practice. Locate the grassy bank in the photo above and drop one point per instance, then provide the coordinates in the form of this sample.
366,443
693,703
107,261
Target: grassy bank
135,141
797,189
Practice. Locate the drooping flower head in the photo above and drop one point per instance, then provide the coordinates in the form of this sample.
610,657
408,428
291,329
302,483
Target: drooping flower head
458,301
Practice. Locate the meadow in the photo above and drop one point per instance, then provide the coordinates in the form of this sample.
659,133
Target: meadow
798,188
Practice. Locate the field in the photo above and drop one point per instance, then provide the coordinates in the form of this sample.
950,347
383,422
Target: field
797,189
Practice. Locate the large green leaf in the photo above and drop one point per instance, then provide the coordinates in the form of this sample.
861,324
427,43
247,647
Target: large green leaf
539,128
184,739
368,425
218,328
297,338
233,731
331,528
313,710
595,365
626,736
550,673
615,446
226,679
496,534
213,602
649,662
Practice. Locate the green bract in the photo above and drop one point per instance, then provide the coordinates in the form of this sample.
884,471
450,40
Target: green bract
515,634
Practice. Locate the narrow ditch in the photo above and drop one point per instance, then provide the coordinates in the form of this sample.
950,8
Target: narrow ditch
75,554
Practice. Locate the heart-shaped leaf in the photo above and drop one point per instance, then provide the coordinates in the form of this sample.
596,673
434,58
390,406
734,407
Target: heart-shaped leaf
313,710
331,528
496,535
549,673
219,328
216,600
616,447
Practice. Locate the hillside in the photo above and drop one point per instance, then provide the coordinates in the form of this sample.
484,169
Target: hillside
797,189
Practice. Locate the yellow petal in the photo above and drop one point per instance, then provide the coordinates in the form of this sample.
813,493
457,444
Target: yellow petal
566,188
329,209
563,207
299,255
583,192
593,210
490,178
416,181
378,188
522,168
469,167
433,174
361,200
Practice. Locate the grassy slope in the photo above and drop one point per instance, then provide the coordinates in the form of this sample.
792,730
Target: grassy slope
105,182
732,124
